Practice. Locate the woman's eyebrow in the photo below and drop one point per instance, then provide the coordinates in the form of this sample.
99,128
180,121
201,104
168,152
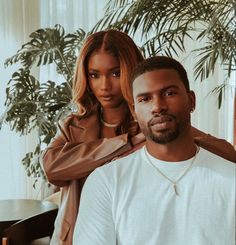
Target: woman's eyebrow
110,69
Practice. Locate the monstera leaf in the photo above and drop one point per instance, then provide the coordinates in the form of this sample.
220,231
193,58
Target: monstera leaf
33,105
50,45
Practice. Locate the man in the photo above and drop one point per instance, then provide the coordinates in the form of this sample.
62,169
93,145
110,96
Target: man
170,192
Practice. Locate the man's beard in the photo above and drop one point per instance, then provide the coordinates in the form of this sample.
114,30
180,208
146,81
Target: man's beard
162,137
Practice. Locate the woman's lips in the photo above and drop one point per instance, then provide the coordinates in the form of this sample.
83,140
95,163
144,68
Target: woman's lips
106,97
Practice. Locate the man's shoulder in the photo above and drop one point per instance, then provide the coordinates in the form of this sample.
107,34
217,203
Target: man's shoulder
213,157
121,166
123,162
217,163
114,173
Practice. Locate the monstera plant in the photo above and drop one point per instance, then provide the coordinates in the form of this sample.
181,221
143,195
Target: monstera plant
34,105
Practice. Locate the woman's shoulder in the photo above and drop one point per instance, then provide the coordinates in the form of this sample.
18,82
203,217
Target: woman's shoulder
77,120
71,119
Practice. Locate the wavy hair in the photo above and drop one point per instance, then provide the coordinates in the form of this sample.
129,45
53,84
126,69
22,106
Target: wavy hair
116,43
122,47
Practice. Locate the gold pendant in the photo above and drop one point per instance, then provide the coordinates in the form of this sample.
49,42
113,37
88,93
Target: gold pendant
175,189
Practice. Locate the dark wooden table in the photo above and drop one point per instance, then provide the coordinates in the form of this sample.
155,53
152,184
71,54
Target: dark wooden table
15,210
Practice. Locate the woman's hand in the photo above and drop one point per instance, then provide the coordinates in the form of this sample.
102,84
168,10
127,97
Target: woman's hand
215,145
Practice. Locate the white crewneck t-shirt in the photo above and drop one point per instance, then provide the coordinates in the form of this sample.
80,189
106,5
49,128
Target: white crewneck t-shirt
128,202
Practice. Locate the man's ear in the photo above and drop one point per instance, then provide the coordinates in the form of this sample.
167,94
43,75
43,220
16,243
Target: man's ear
192,100
135,118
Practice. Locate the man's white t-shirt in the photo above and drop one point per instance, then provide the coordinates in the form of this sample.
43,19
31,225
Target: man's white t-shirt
127,202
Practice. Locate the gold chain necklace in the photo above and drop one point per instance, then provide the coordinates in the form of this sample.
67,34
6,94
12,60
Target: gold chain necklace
174,182
109,125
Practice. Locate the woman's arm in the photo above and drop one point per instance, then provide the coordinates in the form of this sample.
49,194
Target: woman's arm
217,146
67,158
64,160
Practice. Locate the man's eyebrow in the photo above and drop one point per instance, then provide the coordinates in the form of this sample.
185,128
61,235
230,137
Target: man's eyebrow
161,90
168,87
141,95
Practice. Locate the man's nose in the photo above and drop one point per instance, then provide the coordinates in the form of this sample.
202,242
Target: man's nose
159,105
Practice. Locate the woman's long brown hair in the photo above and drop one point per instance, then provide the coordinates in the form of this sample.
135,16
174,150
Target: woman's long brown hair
121,46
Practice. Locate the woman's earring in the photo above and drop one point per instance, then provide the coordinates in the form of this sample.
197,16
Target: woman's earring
192,110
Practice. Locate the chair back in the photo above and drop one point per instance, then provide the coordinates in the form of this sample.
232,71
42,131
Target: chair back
32,228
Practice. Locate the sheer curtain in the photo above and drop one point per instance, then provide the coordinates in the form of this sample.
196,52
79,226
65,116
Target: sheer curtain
207,116
18,18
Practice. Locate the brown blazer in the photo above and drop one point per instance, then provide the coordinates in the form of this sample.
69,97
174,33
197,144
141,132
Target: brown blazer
71,156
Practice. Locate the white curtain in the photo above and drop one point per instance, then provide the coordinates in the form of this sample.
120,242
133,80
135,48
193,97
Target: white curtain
207,117
18,18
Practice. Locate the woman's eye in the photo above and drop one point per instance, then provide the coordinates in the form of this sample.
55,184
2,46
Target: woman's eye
116,74
93,75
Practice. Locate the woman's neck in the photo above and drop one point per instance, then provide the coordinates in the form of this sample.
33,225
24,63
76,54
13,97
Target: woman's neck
114,115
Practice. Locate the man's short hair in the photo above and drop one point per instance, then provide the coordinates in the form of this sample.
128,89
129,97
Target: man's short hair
161,62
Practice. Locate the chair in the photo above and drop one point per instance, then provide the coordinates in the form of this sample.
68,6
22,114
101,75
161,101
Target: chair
32,228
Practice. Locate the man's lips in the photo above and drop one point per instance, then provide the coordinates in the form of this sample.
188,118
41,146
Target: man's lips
160,120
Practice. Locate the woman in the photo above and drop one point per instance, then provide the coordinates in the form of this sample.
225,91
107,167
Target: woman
103,128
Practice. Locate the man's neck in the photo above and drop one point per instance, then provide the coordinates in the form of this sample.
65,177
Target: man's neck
174,151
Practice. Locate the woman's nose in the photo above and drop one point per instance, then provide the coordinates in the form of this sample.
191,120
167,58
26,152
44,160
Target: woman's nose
105,83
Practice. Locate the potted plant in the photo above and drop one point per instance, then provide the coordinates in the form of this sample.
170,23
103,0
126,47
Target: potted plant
34,105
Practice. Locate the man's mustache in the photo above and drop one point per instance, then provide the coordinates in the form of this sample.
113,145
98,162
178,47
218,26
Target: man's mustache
160,118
